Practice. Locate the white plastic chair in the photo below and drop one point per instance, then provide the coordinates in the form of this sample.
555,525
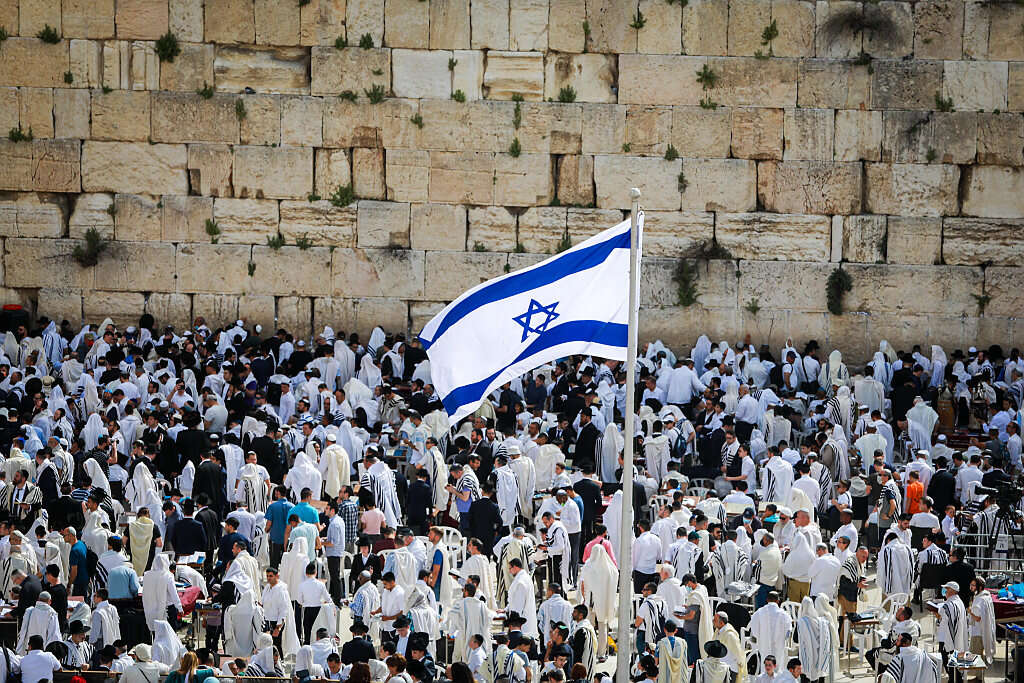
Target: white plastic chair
700,483
699,492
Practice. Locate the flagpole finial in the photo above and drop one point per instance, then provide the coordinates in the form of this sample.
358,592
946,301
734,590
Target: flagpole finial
634,194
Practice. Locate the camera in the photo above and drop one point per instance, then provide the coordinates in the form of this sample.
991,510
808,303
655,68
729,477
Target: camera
1006,495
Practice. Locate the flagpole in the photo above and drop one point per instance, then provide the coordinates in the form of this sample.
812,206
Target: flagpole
624,645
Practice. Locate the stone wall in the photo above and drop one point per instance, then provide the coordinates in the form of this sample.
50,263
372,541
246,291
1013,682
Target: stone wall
883,138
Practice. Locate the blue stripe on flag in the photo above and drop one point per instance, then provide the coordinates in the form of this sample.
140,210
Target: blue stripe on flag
552,271
588,331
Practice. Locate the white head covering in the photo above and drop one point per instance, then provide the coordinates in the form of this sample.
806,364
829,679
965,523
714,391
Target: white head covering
167,646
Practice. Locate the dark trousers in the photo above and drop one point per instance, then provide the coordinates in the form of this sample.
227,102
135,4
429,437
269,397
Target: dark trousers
954,675
640,580
304,620
334,584
276,550
692,647
761,597
744,430
574,560
268,627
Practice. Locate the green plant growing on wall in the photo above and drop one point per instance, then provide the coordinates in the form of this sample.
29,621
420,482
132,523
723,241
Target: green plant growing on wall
69,77
376,93
312,197
452,62
520,249
459,96
3,34
586,34
686,277
943,103
417,120
303,3
239,109
564,244
275,242
932,155
378,72
707,79
19,135
107,90
567,94
213,230
366,41
639,20
515,149
671,154
982,300
252,268
753,306
348,96
206,92
340,43
112,210
839,283
49,35
770,33
681,182
303,243
517,115
167,47
343,195
479,247
626,147
88,254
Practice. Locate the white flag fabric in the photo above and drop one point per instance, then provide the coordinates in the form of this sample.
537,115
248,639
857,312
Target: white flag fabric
576,302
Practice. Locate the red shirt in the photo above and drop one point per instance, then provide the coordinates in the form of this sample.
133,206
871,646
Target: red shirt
607,546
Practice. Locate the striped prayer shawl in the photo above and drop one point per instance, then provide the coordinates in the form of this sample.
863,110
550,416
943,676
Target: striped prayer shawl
851,569
933,554
825,484
770,485
469,482
32,495
79,654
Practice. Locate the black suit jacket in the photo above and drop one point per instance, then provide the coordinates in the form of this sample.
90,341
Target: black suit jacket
357,650
942,489
188,536
210,520
586,445
59,603
210,480
485,522
590,492
373,564
191,444
31,587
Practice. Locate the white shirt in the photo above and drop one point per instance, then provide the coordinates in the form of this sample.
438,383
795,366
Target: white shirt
809,486
739,497
847,530
312,593
824,575
477,657
38,666
391,602
747,409
646,553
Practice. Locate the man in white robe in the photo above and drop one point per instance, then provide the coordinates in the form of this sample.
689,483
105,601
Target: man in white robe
39,620
381,481
818,649
335,467
913,665
896,566
729,563
104,623
670,589
555,609
953,628
508,492
526,478
478,564
469,616
558,548
304,475
521,597
771,627
777,480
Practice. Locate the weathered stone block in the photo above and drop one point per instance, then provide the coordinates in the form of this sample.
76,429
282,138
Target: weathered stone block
974,241
302,121
185,20
660,79
230,21
1004,38
31,62
30,262
377,272
37,111
137,218
209,168
897,41
368,173
468,74
747,19
514,73
34,16
438,227
1001,139
449,25
914,241
864,239
757,133
87,19
489,20
898,289
42,165
491,228
1003,285
245,221
752,82
809,187
809,134
291,270
656,178
33,215
912,189
281,172
258,309
145,67
766,236
662,30
705,27
407,24
528,25
836,36
905,85
120,115
9,14
262,122
938,29
976,85
674,234
583,223
365,17
121,307
142,19
575,179
541,228
354,124
121,272
783,285
188,117
277,23
216,309
271,69
422,73
719,185
332,171
322,21
648,129
92,212
794,20
335,71
549,127
1015,88
839,85
10,108
408,175
86,61
184,218
604,129
221,268
924,137
698,132
523,180
322,222
170,309
592,76
610,29
189,70
449,274
383,224
462,177
60,304
858,135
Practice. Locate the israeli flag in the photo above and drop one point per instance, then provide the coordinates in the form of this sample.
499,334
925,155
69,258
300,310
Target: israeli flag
576,302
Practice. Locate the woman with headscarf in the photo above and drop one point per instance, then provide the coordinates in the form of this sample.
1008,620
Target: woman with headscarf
159,592
599,580
167,646
305,667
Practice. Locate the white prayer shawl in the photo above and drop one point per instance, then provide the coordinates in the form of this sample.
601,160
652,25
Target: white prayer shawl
234,459
482,566
526,480
406,567
896,568
252,488
870,392
95,472
385,493
705,628
588,657
369,372
243,621
554,609
834,372
613,521
882,370
508,495
982,606
140,534
672,591
92,431
447,587
801,555
924,415
711,671
424,617
938,366
521,600
159,591
95,535
293,564
913,665
105,624
557,539
728,564
336,469
611,445
468,617
40,620
167,646
190,576
279,602
817,648
700,353
244,564
778,480
771,626
346,362
728,636
953,627
139,488
304,475
438,472
187,478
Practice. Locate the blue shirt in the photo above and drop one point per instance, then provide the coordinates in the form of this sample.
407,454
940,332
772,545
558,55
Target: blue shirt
122,583
336,536
307,513
76,558
277,514
438,562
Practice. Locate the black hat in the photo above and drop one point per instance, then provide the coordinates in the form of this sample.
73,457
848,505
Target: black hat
402,622
416,669
514,619
358,627
108,652
419,641
78,627
715,648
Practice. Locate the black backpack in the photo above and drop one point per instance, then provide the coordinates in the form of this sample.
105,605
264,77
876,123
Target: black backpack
775,375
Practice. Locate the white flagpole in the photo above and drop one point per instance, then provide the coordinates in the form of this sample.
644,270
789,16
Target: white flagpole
624,645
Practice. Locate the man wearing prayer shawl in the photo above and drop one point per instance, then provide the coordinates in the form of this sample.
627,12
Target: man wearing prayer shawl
953,628
20,499
583,639
729,563
242,621
279,613
105,622
335,467
380,480
526,478
556,544
521,597
726,634
983,622
424,617
468,616
555,610
817,647
670,589
872,442
895,566
833,373
771,627
913,665
39,620
712,669
304,475
79,650
159,592
140,540
433,462
777,479
110,560
252,489
869,391
508,492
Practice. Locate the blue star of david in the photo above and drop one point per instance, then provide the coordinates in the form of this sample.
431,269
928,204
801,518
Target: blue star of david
525,320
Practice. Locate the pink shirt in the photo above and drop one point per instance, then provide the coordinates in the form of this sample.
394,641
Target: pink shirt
372,519
607,546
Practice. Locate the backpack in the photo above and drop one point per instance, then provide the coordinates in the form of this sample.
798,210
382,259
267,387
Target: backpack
775,376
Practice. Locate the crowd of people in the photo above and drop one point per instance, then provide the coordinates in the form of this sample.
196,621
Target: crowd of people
267,494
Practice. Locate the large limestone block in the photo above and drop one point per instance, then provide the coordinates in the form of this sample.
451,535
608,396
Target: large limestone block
795,21
604,129
491,228
705,27
220,268
216,309
134,167
752,82
407,24
769,237
555,128
408,175
1015,89
189,117
660,79
837,36
1003,285
449,274
209,169
489,20
888,288
332,170
113,76
784,285
31,62
10,108
183,219
34,16
812,187
377,272
321,22
422,73
86,60
938,29
924,137
1001,139
59,304
438,227
976,241
449,25
356,124
673,234
335,71
610,29
809,134
277,23
592,76
614,175
245,221
541,228
9,14
230,21
864,239
462,177
422,312
170,309
320,221
120,115
32,215
31,262
662,30
648,129
121,307
87,18
262,122
905,84
189,70
185,20
383,224
258,309
858,135
365,17
71,113
976,85
291,270
302,121
719,185
897,41
747,20
1004,38
265,69
93,211
828,83
757,133
145,66
698,132
914,241
575,179
122,273
583,223
368,173
912,189
468,74
42,165
528,25
280,173
514,73
141,19
138,218
37,111
522,181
